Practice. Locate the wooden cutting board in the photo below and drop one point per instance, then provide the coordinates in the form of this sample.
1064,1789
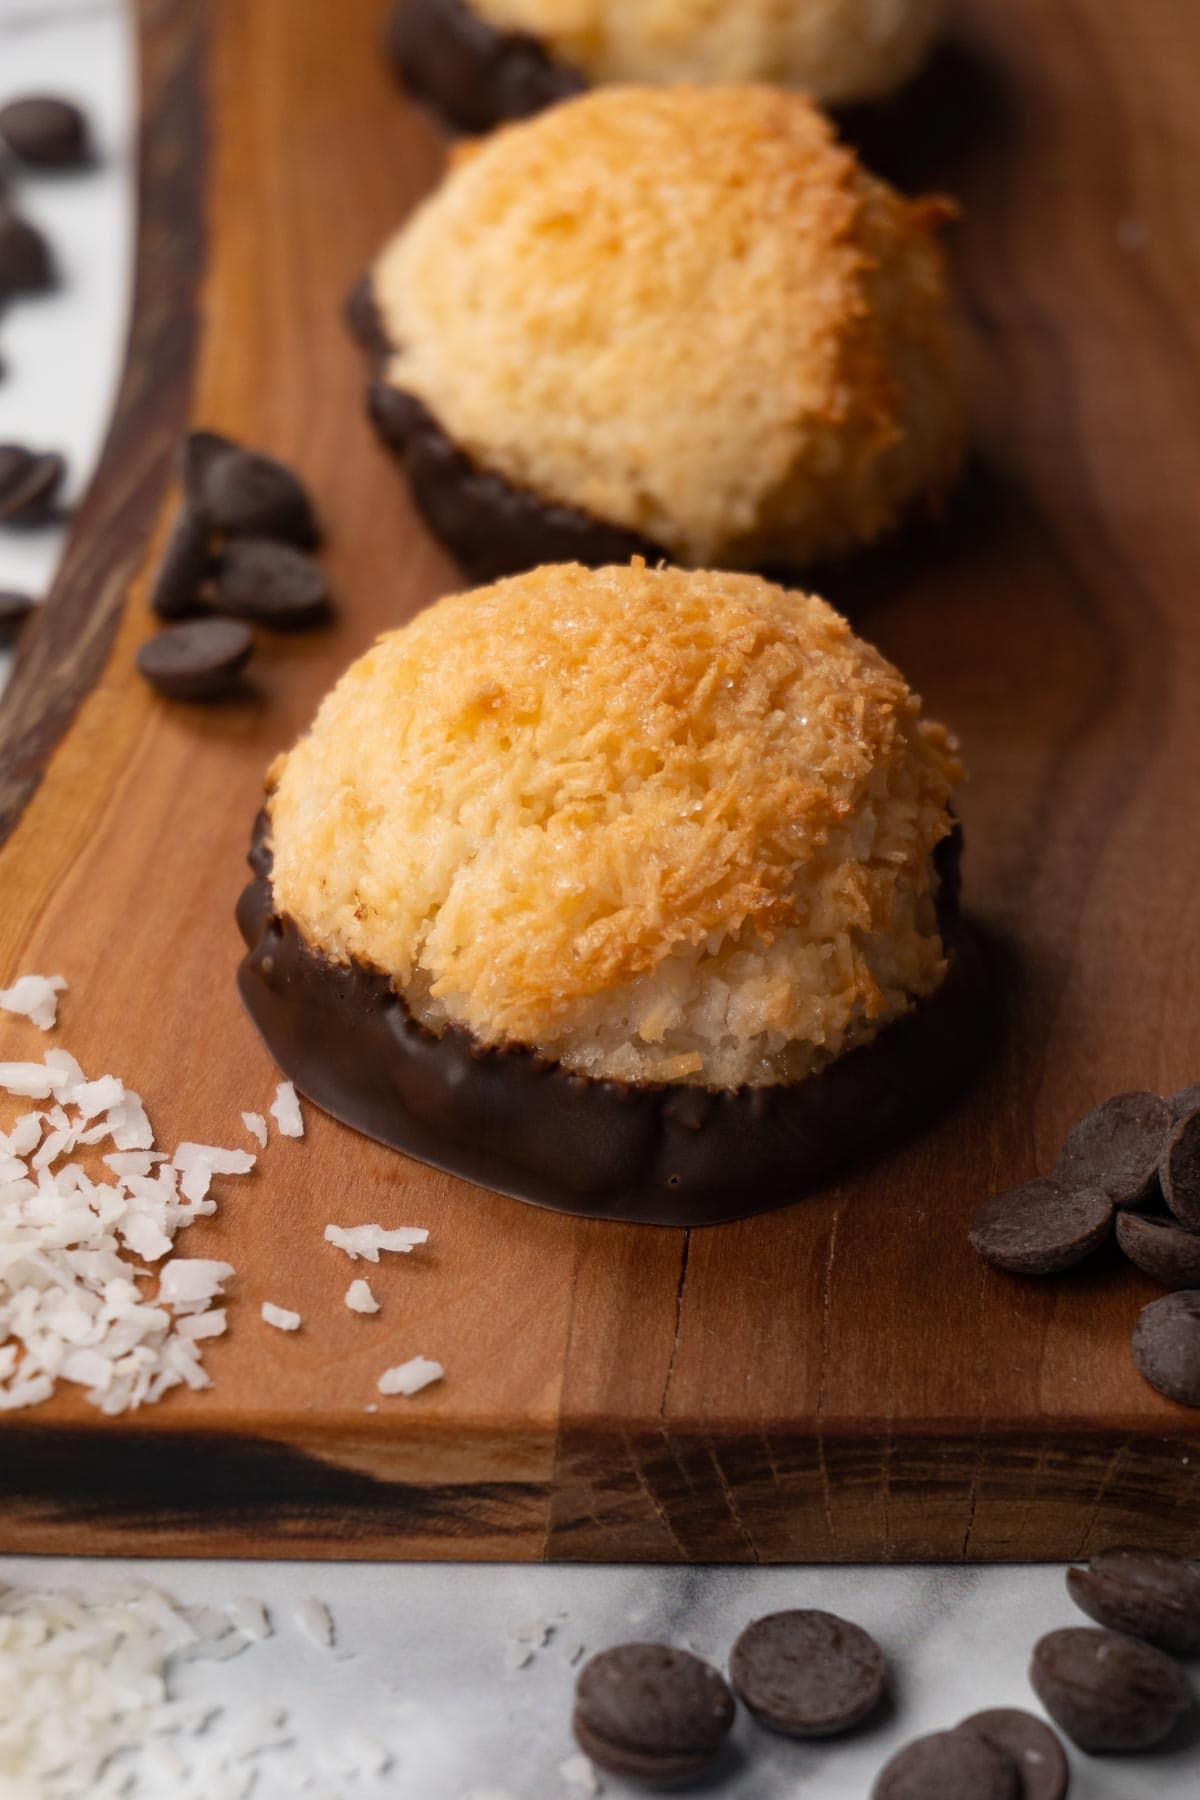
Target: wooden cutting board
842,1380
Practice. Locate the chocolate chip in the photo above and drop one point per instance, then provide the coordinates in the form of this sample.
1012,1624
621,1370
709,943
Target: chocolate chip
1116,1148
29,483
808,1674
26,264
1186,1101
1108,1692
651,1712
1166,1345
948,1765
1149,1594
183,569
198,452
1179,1171
245,494
1041,1227
198,660
14,610
271,584
45,133
1040,1760
1160,1248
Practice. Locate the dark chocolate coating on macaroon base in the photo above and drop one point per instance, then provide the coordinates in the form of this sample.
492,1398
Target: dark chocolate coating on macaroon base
490,527
521,1124
469,74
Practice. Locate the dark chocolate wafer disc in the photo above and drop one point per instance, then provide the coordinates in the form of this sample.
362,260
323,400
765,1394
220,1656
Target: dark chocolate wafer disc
1116,1148
45,132
199,659
1041,1762
1179,1171
1106,1691
1147,1594
1041,1227
651,1712
808,1674
948,1765
1166,1346
1161,1248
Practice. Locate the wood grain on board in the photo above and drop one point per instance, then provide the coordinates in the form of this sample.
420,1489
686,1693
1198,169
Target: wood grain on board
839,1381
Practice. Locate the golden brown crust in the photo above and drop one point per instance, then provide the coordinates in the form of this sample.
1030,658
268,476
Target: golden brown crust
690,313
583,807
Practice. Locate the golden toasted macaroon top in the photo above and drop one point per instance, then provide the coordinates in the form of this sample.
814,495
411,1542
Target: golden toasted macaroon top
687,311
837,50
539,792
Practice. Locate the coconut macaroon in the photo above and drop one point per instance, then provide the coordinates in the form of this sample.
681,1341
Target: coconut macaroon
479,62
683,320
612,836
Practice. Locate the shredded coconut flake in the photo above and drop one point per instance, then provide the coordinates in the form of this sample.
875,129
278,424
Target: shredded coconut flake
31,1080
256,1125
280,1317
78,1241
316,1622
34,997
368,1240
410,1377
285,1110
580,1776
360,1299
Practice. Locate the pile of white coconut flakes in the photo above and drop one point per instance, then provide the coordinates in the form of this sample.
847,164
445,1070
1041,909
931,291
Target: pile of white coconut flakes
89,1213
81,1246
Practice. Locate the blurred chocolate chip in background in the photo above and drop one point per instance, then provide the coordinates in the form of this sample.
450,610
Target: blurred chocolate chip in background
26,262
29,484
199,659
45,132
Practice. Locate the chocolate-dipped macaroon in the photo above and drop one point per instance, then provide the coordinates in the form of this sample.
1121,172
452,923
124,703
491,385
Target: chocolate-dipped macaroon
478,63
630,892
681,321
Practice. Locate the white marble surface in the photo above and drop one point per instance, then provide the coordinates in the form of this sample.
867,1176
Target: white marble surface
420,1661
63,351
419,1668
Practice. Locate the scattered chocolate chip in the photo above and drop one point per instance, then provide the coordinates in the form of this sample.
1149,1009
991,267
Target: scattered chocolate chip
948,1765
1116,1148
1148,1594
1161,1248
29,483
808,1674
1041,1227
197,660
44,132
270,584
1166,1345
1186,1101
651,1712
26,265
245,494
14,610
183,569
1179,1171
1108,1692
198,452
1040,1760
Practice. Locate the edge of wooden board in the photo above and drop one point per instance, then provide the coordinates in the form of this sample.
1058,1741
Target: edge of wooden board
63,653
